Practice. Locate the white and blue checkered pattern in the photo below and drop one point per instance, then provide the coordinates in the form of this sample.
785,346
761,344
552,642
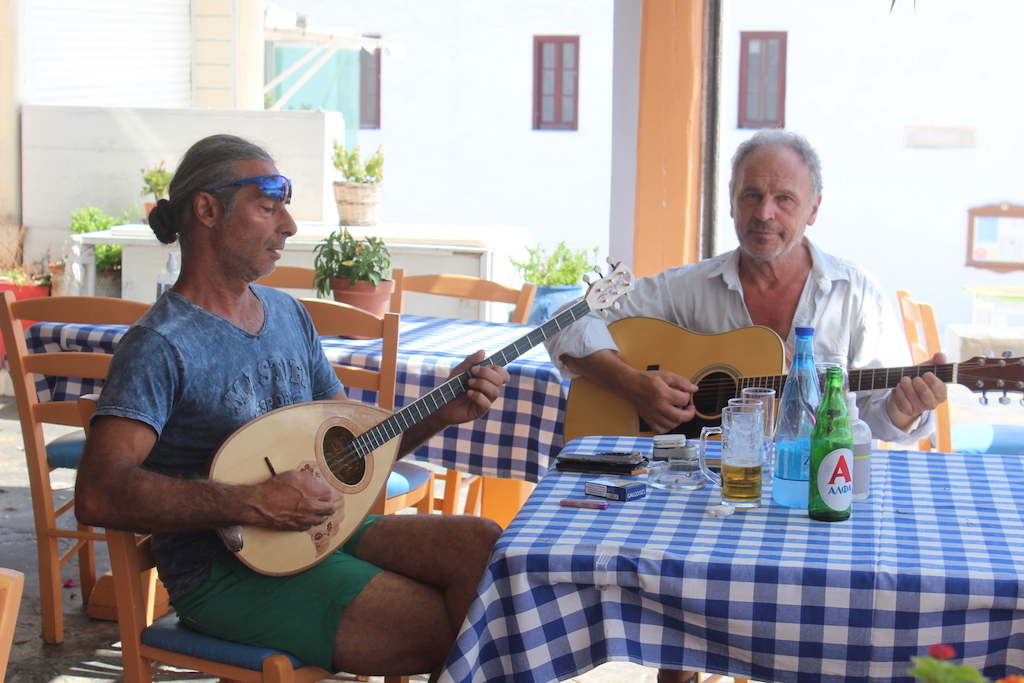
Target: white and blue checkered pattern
765,594
515,439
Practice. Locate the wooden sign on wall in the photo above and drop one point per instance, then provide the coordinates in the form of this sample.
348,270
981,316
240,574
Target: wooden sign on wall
995,237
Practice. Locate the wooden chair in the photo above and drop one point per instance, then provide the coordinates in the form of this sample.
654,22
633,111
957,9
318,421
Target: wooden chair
410,485
464,287
923,338
289,277
11,585
43,457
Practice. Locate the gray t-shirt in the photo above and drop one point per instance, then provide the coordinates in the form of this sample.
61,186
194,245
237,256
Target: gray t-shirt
195,378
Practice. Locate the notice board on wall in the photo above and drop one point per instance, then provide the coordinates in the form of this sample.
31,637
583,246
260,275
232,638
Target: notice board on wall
995,237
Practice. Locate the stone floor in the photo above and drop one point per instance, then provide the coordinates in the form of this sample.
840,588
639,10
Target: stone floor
90,651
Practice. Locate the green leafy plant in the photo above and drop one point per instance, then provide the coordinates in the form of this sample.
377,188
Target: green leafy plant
91,219
354,169
564,266
155,181
21,276
342,256
937,668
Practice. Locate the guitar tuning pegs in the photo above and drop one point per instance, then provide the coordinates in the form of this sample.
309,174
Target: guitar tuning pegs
1007,354
616,306
983,400
1004,400
604,314
586,278
609,261
988,353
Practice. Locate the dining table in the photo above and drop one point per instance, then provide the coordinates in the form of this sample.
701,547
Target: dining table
766,594
512,445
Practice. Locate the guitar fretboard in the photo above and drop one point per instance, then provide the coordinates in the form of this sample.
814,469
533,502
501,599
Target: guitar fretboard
430,402
868,379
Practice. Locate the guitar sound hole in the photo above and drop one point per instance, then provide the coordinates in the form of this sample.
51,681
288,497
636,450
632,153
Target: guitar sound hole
715,391
348,467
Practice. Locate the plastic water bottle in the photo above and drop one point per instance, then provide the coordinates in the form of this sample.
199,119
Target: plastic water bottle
169,275
831,482
861,450
799,402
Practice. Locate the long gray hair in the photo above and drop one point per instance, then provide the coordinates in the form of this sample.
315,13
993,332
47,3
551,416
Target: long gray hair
208,163
777,137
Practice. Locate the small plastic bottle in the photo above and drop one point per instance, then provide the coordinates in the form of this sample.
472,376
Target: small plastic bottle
861,450
169,275
800,397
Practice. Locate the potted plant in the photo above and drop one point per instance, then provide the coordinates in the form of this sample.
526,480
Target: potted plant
155,181
356,271
358,193
108,256
558,277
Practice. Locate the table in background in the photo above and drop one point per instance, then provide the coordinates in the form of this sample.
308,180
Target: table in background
933,556
994,304
511,444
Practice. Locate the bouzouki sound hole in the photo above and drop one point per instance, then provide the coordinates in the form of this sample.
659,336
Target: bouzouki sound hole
347,467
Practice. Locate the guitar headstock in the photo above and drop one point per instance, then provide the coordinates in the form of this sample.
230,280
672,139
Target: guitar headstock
603,293
981,374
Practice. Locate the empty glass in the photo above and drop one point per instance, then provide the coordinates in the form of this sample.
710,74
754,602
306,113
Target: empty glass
766,397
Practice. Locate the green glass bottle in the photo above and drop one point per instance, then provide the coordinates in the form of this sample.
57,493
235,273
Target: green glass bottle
831,483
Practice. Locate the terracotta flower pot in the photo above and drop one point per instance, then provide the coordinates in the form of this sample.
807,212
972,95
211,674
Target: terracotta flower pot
364,295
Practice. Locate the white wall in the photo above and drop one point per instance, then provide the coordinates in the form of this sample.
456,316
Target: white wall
456,114
858,75
74,157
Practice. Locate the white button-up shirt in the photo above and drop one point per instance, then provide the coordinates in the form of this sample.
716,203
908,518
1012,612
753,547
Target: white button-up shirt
852,320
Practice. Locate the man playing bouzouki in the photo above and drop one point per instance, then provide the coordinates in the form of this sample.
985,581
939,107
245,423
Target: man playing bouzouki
777,279
211,355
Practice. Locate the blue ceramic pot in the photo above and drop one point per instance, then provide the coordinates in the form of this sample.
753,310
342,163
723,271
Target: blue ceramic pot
550,298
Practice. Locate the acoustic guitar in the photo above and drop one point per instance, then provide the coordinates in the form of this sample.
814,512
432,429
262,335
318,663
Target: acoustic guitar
723,364
351,447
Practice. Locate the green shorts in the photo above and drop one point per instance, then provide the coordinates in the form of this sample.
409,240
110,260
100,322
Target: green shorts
298,614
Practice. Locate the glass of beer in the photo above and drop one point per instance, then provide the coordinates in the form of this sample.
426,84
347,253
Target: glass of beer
742,433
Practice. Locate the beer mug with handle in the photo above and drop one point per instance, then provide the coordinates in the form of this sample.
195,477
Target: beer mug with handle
742,433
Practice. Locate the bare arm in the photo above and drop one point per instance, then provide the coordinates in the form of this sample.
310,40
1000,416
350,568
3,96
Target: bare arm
661,398
113,490
483,390
911,397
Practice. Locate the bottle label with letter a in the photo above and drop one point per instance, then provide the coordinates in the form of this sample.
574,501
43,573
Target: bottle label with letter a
835,479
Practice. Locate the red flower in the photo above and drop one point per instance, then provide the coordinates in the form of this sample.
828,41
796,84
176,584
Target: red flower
942,651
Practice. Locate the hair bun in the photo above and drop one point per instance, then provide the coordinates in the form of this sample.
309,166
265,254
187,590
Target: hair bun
161,223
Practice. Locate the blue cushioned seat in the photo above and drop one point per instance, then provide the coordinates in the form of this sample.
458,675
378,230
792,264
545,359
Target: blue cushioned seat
988,439
66,451
168,633
406,477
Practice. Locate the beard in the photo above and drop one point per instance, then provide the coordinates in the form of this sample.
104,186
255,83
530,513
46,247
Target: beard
760,245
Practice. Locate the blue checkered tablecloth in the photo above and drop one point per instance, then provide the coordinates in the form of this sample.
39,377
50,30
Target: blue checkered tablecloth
767,594
516,439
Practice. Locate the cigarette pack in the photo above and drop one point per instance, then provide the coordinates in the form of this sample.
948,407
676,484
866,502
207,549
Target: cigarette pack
616,489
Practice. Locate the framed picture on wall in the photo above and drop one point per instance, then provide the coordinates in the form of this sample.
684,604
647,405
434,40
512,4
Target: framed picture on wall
995,237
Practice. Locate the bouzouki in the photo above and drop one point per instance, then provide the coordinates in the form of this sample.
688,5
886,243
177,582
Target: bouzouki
723,364
351,447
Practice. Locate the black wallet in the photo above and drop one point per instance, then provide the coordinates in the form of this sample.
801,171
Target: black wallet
602,463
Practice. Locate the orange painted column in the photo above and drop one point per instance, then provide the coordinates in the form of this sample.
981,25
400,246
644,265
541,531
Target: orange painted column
668,169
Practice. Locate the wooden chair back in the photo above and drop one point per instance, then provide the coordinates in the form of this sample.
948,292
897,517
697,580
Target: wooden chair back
33,414
922,334
289,277
333,319
11,585
464,287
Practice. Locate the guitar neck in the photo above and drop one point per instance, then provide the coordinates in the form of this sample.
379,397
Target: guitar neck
454,387
868,379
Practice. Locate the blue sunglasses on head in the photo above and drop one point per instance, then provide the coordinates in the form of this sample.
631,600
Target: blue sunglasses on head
277,187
